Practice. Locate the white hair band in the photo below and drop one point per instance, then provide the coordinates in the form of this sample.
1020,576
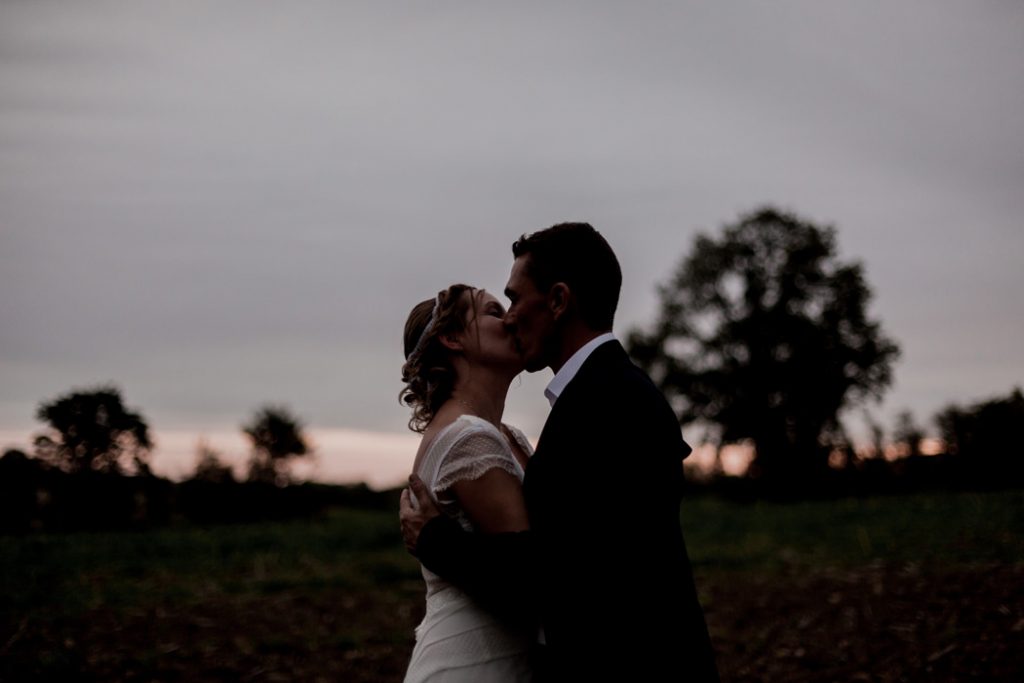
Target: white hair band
426,330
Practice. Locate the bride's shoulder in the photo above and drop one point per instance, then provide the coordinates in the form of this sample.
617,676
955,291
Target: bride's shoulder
517,435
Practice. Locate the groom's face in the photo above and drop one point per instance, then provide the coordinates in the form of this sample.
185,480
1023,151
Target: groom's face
529,317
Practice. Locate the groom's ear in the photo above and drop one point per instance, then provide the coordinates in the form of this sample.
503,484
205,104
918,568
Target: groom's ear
558,299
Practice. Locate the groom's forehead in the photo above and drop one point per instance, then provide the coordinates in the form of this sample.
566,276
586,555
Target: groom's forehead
519,279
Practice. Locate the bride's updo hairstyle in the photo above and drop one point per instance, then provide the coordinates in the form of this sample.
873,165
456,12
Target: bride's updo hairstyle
428,372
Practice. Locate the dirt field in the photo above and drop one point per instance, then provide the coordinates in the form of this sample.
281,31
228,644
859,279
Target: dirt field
899,589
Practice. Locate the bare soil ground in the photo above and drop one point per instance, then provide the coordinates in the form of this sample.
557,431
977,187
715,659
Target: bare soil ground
873,623
294,603
877,622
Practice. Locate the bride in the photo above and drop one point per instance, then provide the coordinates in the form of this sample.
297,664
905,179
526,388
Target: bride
460,360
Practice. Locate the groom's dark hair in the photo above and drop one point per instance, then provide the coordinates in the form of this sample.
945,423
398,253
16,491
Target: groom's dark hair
576,254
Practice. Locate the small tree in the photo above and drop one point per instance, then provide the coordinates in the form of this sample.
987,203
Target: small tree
907,434
210,467
277,439
764,333
91,430
877,436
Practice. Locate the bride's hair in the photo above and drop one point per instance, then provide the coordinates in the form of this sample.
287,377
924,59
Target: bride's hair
428,372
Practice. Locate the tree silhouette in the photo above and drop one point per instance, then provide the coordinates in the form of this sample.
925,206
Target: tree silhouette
276,437
91,430
764,333
210,467
907,434
877,436
985,437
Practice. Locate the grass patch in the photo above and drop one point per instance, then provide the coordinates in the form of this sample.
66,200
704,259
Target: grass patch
958,528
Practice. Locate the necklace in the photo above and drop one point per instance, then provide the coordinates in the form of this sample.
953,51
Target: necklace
468,406
471,408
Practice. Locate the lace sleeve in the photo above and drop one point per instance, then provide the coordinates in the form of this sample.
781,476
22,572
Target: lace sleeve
520,437
470,457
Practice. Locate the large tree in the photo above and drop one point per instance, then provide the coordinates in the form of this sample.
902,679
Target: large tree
277,438
764,333
92,430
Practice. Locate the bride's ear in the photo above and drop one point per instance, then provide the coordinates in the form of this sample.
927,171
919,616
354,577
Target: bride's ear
450,342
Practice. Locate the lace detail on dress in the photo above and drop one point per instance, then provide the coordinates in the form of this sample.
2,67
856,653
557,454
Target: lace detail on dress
474,454
465,450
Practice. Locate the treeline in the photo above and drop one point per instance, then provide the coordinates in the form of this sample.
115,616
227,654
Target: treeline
90,469
978,448
35,496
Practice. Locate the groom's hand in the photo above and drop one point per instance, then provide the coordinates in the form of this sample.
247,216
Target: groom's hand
415,513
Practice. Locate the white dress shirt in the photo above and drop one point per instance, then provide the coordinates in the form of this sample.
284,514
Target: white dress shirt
562,378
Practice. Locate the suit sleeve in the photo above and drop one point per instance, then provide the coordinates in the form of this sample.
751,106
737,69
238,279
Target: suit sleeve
496,570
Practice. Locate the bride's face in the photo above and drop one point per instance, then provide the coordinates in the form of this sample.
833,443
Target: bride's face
486,339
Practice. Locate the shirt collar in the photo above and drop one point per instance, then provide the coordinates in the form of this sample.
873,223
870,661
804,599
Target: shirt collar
562,378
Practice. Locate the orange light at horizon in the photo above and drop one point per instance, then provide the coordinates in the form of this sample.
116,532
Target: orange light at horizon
734,458
344,456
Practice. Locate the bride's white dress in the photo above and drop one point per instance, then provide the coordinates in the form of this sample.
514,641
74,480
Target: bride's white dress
458,642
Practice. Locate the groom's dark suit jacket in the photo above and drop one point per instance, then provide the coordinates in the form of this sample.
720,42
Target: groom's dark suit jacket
604,563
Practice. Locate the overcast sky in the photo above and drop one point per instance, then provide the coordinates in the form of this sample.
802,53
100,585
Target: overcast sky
220,205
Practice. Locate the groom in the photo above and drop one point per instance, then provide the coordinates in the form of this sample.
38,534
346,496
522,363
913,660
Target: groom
604,563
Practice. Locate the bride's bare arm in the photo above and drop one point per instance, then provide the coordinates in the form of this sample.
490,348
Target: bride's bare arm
493,502
495,568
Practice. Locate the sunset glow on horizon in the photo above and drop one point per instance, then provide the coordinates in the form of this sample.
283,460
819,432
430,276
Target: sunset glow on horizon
340,456
382,460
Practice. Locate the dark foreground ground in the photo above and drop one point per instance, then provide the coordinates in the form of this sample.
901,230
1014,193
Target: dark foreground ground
914,588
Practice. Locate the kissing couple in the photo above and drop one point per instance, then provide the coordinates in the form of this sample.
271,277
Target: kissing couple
561,564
